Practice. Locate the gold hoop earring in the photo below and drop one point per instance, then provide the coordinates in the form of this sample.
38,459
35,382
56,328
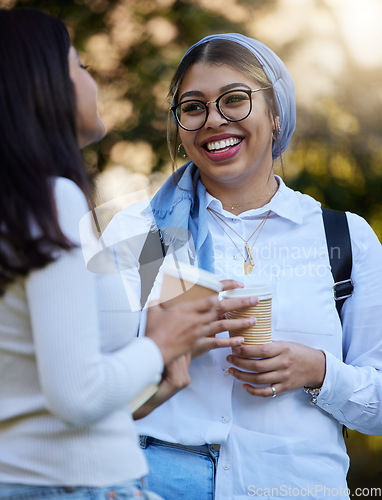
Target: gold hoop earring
183,153
278,131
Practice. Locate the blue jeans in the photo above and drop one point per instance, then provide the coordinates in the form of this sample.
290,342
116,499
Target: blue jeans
132,490
178,471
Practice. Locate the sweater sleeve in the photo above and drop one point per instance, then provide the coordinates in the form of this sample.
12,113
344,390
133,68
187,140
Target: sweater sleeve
352,389
81,384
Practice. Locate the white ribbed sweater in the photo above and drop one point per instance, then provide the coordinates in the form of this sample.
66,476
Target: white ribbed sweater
69,364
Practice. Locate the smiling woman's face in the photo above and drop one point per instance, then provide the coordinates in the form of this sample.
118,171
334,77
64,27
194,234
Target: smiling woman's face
244,151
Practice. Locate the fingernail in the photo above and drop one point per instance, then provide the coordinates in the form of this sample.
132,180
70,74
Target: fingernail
253,300
239,284
252,321
229,359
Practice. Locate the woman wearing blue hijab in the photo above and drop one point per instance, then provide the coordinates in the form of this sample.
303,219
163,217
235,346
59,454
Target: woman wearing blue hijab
263,420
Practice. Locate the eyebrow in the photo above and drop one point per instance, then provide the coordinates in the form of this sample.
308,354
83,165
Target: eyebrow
225,88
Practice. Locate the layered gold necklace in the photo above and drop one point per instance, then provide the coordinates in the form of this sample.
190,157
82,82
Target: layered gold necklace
248,259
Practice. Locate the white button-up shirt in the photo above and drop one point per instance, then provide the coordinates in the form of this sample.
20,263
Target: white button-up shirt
285,446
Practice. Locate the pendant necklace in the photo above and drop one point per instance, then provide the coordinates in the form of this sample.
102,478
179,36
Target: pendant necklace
248,259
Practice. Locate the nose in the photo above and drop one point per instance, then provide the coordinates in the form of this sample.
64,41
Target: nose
214,117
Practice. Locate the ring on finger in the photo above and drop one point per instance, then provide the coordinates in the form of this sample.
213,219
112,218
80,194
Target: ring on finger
274,392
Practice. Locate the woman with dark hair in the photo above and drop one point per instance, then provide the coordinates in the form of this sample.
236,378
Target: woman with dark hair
68,364
265,420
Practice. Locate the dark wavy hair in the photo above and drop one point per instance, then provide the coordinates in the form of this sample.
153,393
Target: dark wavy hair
37,139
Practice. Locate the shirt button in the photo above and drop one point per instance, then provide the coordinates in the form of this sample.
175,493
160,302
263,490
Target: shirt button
226,372
225,420
235,221
236,257
226,466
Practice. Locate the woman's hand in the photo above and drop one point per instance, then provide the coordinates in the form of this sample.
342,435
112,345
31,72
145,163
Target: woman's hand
175,329
284,365
222,324
231,285
175,377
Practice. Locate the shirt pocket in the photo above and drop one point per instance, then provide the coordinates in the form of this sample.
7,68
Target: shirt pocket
305,304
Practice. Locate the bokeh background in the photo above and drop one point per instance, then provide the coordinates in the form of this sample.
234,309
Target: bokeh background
332,48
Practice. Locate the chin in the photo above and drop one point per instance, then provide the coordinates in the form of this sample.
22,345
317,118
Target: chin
91,136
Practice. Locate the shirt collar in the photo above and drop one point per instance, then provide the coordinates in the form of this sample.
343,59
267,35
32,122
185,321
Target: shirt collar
285,203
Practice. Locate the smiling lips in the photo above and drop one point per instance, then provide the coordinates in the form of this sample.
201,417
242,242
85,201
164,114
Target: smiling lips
222,149
218,146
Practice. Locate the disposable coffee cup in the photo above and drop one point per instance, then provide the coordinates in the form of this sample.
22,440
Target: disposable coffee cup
183,282
261,332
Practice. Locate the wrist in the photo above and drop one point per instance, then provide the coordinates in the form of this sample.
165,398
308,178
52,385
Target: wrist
318,370
314,386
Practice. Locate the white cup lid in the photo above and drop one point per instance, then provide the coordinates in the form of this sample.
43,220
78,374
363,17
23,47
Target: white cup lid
260,291
193,274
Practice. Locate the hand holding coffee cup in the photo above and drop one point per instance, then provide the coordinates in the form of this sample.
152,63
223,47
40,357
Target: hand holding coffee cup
261,332
181,283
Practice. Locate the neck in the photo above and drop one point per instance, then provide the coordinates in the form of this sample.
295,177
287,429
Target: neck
238,200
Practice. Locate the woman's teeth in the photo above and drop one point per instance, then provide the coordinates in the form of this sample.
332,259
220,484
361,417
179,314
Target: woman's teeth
224,144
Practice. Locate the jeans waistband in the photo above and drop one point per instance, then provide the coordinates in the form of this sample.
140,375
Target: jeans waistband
15,491
203,448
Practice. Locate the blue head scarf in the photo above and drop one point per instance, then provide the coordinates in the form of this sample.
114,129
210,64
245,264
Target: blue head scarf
279,77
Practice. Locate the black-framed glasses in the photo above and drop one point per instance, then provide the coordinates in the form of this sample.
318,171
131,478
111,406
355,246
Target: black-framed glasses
234,106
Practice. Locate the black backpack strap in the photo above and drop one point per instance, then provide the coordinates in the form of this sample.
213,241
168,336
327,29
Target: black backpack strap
340,254
150,260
